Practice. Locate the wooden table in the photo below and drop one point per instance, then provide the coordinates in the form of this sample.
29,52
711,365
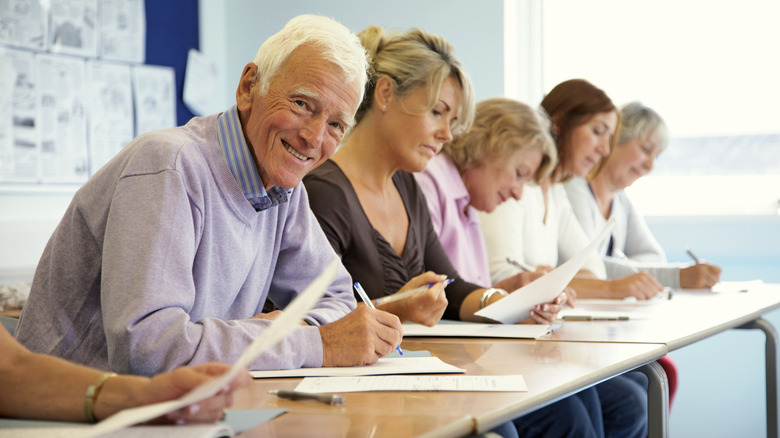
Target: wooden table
12,313
552,370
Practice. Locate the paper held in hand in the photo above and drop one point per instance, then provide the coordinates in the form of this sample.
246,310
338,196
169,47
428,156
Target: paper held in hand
280,327
518,304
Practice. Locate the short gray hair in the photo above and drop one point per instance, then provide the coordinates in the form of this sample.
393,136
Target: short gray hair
336,44
643,122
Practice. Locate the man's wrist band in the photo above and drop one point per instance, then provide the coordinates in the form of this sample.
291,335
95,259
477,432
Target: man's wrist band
92,393
489,293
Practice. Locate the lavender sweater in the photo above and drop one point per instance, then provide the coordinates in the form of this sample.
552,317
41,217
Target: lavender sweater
160,260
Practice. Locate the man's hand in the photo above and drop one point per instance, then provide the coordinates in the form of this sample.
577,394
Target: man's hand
360,338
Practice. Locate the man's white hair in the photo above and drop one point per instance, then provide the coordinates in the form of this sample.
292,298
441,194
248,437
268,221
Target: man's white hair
335,43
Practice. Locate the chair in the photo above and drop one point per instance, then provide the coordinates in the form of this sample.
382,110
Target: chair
9,323
671,374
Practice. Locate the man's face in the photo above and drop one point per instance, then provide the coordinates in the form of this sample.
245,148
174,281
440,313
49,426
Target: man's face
300,121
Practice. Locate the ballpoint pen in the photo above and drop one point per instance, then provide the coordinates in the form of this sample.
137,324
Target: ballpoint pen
518,265
328,399
367,301
619,254
594,318
402,295
692,255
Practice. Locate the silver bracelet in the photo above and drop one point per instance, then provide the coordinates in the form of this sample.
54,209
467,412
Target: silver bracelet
489,293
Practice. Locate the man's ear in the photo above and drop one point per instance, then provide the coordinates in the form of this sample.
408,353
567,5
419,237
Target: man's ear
383,92
246,86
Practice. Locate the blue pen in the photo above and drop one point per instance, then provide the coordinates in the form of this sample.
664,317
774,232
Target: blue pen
402,295
367,301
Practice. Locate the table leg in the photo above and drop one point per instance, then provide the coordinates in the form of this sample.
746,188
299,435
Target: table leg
657,400
771,372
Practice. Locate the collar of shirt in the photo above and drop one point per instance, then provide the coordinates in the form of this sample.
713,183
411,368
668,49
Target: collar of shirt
233,144
456,188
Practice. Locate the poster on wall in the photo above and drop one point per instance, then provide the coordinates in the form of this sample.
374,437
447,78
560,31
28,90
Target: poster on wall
23,24
19,119
154,95
122,30
73,27
110,108
62,119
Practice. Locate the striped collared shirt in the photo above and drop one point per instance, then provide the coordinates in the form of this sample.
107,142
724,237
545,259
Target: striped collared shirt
231,139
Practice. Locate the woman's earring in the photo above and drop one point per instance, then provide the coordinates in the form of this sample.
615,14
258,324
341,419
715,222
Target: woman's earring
384,107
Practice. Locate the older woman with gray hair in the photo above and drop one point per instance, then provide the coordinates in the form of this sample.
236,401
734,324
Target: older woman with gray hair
643,136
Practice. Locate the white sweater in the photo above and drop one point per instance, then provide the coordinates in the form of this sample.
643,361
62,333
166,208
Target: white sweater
631,235
517,229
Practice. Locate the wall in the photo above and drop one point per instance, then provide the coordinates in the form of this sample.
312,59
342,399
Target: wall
233,31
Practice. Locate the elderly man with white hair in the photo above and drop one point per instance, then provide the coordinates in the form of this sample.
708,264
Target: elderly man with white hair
166,256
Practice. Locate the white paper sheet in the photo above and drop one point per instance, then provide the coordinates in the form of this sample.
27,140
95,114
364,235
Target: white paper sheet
198,94
110,111
123,30
518,304
154,94
157,431
280,327
62,119
19,124
23,24
509,383
477,330
74,27
385,365
737,286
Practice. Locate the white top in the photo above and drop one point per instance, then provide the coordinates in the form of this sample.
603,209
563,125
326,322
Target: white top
631,235
517,229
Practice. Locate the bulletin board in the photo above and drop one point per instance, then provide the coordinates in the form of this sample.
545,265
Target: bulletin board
171,30
79,79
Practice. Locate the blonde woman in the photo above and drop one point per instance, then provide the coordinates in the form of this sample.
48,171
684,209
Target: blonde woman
508,145
373,211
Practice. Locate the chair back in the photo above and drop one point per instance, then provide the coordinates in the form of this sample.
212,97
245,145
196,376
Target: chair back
9,323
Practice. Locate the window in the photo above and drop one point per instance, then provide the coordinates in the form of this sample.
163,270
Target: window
709,68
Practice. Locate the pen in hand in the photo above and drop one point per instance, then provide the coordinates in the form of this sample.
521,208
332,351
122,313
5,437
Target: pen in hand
402,295
692,255
519,265
666,293
367,301
328,399
619,254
